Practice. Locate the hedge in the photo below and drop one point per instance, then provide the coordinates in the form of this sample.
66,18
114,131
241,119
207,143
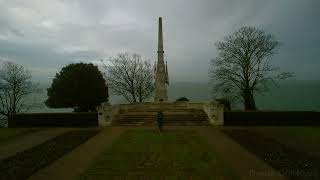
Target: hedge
266,118
84,119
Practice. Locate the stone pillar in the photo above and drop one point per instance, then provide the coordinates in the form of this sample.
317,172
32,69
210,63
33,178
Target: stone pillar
105,114
160,79
214,112
220,115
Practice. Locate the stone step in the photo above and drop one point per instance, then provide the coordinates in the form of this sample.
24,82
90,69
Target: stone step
166,119
162,110
165,114
146,124
177,122
173,111
156,122
171,118
147,115
164,123
129,115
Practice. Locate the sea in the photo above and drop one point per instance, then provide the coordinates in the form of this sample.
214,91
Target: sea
290,95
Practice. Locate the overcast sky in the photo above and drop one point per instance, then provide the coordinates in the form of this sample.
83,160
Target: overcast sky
45,35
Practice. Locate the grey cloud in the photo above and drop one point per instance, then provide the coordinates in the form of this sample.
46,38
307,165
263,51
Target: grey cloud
82,29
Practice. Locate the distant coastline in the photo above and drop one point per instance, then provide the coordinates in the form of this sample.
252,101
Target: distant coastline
290,95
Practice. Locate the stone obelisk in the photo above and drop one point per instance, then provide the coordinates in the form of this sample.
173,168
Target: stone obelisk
161,77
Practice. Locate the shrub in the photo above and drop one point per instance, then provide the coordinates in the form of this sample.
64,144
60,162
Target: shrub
183,99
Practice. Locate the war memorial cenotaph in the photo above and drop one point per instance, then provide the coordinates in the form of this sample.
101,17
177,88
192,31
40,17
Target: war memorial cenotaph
175,113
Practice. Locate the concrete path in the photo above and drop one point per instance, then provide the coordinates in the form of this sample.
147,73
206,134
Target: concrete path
243,163
28,141
77,161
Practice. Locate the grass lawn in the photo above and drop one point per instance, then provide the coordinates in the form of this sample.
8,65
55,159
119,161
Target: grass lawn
9,133
293,151
305,139
25,163
145,154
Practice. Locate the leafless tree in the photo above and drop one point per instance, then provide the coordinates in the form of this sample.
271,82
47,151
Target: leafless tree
243,66
129,76
15,88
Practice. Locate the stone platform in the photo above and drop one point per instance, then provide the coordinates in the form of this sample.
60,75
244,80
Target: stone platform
175,113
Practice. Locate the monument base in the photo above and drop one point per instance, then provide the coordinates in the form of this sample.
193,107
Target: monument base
176,113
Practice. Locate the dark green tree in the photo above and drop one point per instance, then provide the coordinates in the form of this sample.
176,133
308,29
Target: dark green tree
79,86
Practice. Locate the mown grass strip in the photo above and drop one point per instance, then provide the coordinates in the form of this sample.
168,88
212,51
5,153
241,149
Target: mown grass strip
24,164
146,154
287,160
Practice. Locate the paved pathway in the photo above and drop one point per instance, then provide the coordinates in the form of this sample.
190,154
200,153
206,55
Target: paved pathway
74,163
28,140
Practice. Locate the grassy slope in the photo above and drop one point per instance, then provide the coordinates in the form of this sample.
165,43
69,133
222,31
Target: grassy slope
147,154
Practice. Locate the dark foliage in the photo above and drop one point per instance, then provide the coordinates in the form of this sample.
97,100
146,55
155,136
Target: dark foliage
80,86
83,119
183,99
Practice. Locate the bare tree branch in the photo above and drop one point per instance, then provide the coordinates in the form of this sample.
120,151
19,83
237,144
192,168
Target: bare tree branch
243,64
15,87
129,76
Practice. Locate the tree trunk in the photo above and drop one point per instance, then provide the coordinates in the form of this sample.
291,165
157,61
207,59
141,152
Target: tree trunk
14,106
134,99
133,95
140,98
140,93
249,102
253,103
